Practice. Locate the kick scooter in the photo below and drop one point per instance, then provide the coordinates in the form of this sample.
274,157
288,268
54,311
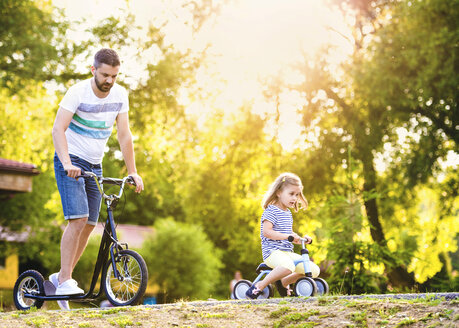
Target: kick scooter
124,272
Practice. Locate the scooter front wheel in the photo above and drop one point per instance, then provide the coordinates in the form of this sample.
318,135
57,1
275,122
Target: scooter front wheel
305,287
29,282
129,288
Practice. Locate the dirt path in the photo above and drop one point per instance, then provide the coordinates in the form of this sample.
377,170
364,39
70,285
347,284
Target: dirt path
404,310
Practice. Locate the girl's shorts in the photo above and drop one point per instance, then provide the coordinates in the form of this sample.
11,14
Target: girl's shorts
286,260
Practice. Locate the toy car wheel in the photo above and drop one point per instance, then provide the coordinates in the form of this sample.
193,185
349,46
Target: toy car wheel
322,286
305,287
271,290
29,282
240,288
267,292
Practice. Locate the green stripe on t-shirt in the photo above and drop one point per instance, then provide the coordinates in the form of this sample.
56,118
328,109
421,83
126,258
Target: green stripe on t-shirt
89,123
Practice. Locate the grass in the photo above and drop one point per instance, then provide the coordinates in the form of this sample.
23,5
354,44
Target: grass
280,312
122,321
406,322
92,314
215,315
360,318
385,312
296,317
37,321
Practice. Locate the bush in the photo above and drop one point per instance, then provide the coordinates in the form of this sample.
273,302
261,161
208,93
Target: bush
181,260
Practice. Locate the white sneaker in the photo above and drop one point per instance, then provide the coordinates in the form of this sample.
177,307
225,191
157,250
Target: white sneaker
63,304
69,287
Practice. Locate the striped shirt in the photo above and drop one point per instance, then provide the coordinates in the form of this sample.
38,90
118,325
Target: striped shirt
282,222
93,119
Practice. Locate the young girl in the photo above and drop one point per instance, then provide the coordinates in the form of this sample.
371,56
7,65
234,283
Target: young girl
276,226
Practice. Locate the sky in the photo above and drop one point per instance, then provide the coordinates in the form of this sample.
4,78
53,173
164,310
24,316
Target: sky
250,40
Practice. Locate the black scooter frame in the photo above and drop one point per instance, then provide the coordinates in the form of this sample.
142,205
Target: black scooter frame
108,243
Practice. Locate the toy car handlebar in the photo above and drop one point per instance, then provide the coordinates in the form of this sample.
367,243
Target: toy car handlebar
305,240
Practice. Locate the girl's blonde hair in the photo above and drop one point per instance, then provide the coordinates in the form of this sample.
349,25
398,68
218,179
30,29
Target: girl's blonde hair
280,183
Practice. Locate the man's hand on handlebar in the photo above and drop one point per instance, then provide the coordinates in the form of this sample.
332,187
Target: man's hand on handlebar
138,182
72,170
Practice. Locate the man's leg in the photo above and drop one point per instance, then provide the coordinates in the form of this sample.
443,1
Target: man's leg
82,243
69,247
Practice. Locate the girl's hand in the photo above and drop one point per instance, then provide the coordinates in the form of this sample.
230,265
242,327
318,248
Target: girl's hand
296,238
308,239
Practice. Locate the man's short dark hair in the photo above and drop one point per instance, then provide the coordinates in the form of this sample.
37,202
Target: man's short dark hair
106,56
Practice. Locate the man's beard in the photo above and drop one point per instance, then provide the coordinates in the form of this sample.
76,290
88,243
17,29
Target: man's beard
104,87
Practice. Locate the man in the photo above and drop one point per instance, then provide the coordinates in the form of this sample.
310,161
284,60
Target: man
82,127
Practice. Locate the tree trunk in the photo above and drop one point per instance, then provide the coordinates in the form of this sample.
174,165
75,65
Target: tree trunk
397,274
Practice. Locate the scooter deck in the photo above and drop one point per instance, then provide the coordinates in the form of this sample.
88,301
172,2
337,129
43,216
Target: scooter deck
50,289
50,294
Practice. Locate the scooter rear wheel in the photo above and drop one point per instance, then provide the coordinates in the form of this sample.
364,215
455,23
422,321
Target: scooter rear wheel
29,282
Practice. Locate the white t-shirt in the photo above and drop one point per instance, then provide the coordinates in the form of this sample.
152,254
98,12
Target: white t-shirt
93,119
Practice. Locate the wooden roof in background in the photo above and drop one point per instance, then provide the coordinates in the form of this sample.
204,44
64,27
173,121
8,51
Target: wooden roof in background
19,167
16,176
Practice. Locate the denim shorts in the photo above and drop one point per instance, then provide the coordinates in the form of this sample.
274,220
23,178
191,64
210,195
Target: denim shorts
80,198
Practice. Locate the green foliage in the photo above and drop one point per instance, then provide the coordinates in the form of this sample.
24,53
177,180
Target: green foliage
355,258
24,49
23,113
394,100
229,171
28,53
182,260
411,71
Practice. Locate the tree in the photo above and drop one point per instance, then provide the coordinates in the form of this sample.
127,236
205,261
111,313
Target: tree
28,53
230,169
411,70
379,90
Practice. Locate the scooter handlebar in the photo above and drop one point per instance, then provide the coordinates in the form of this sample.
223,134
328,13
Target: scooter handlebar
112,181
